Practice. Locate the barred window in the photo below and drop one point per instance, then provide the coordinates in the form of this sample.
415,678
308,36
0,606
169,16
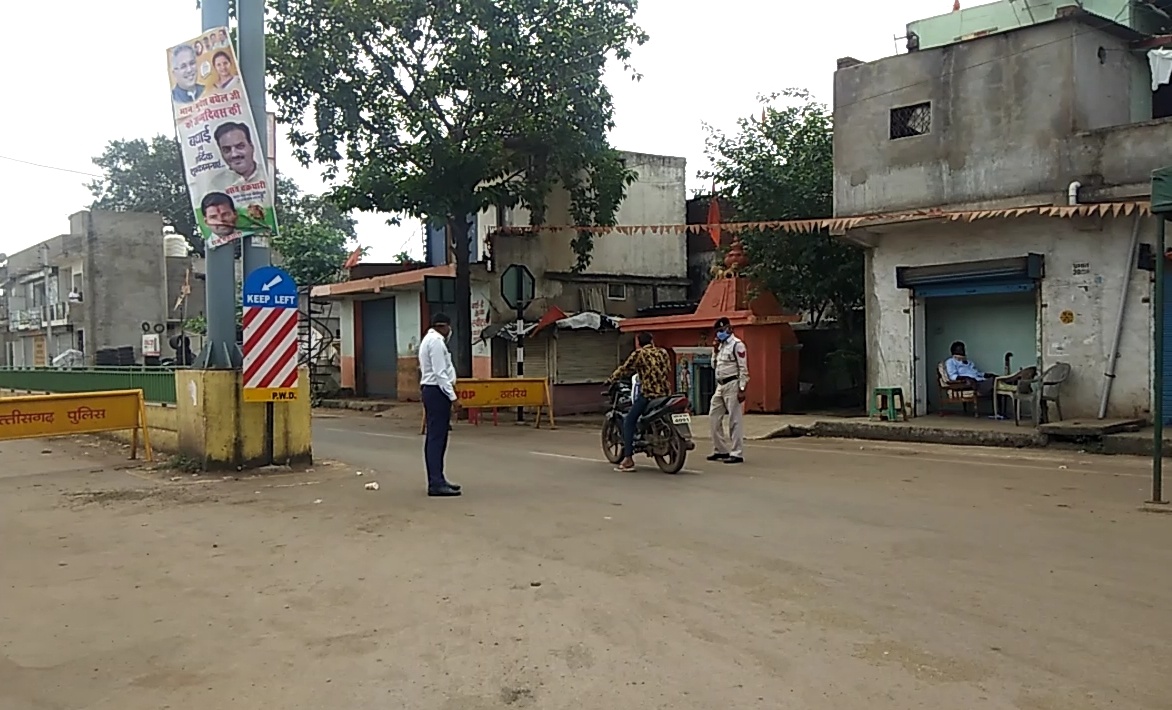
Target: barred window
909,121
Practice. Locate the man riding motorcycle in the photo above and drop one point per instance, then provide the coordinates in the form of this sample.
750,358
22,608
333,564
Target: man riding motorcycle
653,365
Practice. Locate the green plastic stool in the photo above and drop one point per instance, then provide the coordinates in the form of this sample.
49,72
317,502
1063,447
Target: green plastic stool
887,402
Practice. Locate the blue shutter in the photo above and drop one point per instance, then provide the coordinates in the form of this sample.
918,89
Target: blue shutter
975,287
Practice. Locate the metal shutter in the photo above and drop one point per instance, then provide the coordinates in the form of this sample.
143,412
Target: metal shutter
585,356
536,357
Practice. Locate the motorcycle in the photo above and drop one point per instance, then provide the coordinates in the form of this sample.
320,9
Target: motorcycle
664,432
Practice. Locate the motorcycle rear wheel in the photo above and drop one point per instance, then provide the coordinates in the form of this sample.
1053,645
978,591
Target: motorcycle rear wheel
677,453
612,441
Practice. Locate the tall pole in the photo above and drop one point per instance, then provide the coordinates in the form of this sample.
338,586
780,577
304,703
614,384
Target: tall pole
251,34
50,304
520,352
220,350
1158,368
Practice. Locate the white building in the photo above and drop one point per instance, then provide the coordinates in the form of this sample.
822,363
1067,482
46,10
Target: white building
997,184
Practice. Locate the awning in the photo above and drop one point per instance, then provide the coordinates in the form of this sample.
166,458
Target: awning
586,320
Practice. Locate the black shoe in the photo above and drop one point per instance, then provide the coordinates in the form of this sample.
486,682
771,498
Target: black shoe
454,486
443,492
718,457
734,459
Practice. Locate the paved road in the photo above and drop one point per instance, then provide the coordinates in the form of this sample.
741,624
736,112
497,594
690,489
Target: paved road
822,574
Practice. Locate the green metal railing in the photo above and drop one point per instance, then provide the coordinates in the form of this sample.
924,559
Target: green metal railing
157,383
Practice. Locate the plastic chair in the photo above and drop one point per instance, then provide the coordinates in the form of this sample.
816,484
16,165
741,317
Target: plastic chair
1043,390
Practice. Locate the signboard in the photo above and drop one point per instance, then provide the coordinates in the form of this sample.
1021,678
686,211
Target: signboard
229,182
518,286
270,336
496,392
151,347
38,416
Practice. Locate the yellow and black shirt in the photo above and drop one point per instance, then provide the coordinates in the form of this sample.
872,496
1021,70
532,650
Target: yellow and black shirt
654,367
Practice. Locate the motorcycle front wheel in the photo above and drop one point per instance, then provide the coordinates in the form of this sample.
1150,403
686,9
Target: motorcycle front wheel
672,461
612,441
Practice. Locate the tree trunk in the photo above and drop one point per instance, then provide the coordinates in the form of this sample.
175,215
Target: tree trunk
462,318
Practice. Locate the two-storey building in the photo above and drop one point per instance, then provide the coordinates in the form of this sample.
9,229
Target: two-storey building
998,176
101,287
383,317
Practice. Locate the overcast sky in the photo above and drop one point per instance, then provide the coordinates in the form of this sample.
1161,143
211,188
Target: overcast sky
91,72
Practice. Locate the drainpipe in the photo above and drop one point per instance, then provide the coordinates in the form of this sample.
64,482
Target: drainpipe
1113,356
1072,193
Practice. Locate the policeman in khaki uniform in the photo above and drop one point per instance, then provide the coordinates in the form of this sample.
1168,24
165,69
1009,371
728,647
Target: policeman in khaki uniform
732,377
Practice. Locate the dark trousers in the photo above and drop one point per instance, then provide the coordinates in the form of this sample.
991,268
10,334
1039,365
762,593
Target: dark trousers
438,410
631,423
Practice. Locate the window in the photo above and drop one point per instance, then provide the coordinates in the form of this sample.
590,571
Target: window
616,292
911,121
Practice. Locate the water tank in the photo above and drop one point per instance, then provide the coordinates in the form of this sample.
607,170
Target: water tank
175,245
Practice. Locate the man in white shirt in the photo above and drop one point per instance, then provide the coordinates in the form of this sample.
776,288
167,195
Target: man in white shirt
437,379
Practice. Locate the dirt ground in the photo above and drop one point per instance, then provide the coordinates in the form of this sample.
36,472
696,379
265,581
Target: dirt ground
821,574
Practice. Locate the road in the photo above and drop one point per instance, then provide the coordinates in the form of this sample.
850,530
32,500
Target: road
821,574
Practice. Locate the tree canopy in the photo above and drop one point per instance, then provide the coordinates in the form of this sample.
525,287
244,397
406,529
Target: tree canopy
146,176
441,109
779,166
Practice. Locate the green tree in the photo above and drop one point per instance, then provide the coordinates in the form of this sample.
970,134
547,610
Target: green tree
146,176
313,235
780,166
442,109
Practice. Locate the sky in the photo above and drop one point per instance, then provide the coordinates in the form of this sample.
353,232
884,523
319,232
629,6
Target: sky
100,74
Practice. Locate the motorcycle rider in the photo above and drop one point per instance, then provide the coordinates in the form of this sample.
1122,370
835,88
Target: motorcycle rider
653,365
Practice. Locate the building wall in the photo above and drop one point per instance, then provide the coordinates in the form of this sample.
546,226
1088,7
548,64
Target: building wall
408,332
348,325
1015,117
657,197
125,275
1090,290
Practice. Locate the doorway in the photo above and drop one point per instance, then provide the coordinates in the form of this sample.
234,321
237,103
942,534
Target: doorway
992,327
380,356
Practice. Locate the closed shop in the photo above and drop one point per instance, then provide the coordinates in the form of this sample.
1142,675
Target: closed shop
380,357
585,356
537,352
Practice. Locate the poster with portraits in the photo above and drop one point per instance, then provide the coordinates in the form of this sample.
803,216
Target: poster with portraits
227,175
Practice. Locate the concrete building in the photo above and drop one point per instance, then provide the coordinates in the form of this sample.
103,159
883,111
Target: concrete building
997,175
102,285
386,314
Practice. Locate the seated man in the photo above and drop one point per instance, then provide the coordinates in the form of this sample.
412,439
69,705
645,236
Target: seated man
961,369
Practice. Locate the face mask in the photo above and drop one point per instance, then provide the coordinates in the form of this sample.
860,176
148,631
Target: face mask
723,335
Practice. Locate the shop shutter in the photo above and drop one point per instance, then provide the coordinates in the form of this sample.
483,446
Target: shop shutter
536,357
584,356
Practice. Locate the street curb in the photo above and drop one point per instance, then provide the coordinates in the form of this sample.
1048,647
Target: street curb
927,435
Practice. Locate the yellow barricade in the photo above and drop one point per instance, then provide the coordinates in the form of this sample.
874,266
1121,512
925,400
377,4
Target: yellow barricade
504,393
45,415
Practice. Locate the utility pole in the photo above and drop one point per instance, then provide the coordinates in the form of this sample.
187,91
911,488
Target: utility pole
47,274
220,350
1158,356
251,35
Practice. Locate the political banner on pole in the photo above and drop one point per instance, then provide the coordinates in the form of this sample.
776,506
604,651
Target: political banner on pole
230,185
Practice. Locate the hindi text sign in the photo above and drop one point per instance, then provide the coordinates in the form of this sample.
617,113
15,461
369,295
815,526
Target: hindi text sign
46,415
507,392
270,336
229,182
